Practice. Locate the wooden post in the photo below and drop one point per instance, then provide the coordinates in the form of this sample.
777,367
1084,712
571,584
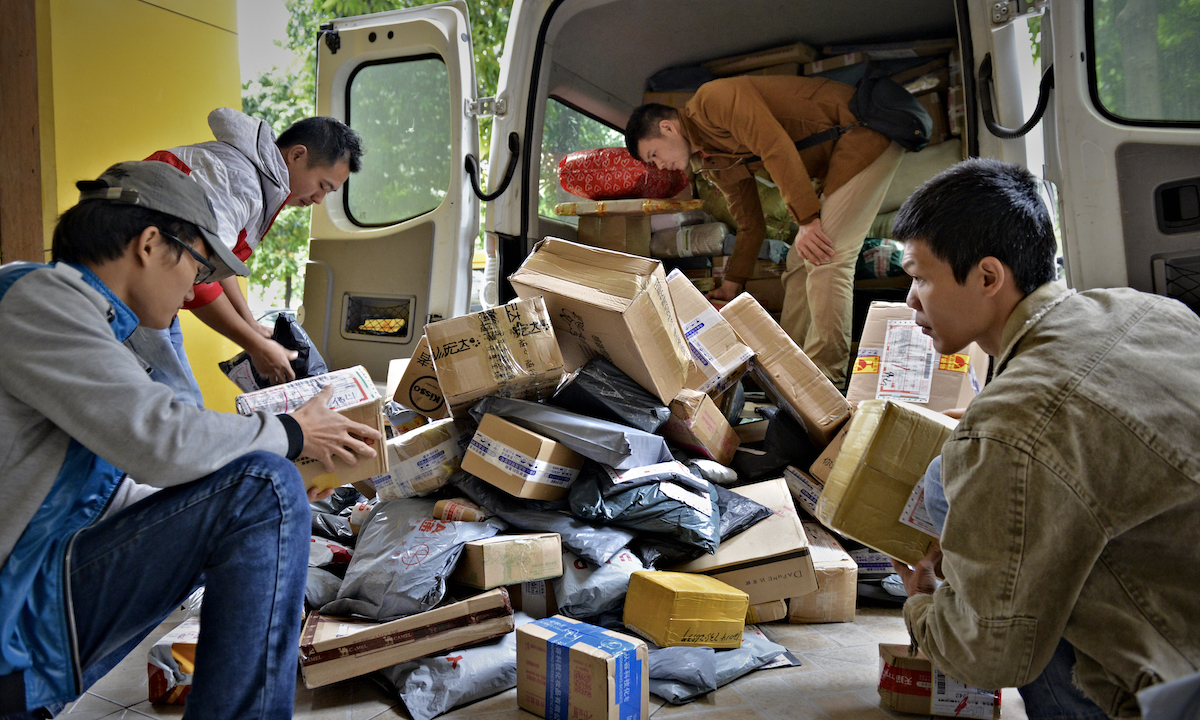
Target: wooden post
21,231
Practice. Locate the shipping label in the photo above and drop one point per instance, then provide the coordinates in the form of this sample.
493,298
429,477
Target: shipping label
907,364
915,515
954,699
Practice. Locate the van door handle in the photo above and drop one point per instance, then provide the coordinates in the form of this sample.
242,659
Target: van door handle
989,115
472,167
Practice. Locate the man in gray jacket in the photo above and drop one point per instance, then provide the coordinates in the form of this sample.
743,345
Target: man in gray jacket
83,579
1072,540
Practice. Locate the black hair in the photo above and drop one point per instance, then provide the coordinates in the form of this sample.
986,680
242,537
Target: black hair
97,231
979,208
328,140
643,123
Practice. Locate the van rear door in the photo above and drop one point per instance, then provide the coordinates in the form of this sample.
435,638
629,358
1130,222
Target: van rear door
392,250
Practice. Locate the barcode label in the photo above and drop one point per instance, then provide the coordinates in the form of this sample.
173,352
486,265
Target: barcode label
907,364
954,699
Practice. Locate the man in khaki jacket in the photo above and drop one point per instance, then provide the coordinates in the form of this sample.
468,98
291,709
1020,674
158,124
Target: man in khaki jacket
1072,540
833,190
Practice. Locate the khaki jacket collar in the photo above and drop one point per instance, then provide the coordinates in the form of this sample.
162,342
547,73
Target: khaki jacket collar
1026,314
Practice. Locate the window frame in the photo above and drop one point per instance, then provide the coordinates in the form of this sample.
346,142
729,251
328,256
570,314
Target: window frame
542,148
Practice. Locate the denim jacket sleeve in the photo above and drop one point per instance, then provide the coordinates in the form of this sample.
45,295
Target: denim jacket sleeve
1012,579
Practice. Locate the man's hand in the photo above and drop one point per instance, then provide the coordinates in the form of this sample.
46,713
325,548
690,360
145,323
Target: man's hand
921,579
728,291
263,330
272,360
813,243
328,434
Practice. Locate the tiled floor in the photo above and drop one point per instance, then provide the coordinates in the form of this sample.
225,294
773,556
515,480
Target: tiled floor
835,682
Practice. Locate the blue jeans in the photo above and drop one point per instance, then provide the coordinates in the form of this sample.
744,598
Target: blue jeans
1052,696
163,351
243,532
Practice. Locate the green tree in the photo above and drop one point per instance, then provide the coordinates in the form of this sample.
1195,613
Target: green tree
283,96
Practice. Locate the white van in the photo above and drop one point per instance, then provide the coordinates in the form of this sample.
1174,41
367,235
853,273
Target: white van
1119,141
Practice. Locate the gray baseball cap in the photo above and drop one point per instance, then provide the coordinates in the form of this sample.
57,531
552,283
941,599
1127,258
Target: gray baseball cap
160,186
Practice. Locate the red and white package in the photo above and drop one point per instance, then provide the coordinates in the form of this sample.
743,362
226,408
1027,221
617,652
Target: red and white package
612,173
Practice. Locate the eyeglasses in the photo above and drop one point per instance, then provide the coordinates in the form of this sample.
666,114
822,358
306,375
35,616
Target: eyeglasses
206,268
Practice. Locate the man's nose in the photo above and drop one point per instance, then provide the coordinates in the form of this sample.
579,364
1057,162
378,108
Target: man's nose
911,299
318,197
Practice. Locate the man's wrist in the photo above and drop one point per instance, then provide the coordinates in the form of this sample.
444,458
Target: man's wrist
295,435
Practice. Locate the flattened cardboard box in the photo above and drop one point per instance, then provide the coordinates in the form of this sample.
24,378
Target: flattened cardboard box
508,350
719,357
519,461
418,387
887,450
673,609
768,561
913,685
697,425
333,649
950,381
616,304
354,396
786,372
569,670
509,559
837,582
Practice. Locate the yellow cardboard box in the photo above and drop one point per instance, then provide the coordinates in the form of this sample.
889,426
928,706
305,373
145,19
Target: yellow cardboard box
674,608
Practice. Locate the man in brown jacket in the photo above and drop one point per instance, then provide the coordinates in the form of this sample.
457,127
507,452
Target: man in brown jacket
833,190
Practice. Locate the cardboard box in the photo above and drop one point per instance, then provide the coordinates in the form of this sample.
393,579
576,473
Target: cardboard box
768,292
567,669
676,100
418,388
786,373
718,357
770,560
171,663
509,350
683,609
932,102
333,648
938,382
354,396
832,63
537,599
823,465
509,559
422,460
519,461
911,684
886,452
697,425
738,64
766,612
837,582
617,305
805,489
872,563
620,233
785,68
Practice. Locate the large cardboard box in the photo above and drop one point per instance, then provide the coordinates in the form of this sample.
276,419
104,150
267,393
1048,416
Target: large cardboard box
837,582
698,426
916,372
786,373
887,450
422,460
719,357
509,350
521,462
333,648
684,609
509,559
568,670
738,64
354,396
418,388
770,560
616,304
911,684
620,233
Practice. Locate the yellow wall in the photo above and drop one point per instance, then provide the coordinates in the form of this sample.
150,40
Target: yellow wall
131,77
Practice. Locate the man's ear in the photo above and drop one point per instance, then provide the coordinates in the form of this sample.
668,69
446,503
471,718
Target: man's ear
994,275
295,154
147,245
666,128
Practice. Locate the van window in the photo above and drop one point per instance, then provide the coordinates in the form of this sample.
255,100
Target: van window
402,111
1145,65
565,131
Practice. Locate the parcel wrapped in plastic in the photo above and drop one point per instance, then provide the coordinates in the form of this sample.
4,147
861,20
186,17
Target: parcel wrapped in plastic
402,561
434,685
738,513
594,542
612,444
756,651
599,389
320,587
587,589
661,498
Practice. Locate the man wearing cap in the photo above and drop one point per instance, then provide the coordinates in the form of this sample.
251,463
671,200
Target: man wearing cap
87,569
249,176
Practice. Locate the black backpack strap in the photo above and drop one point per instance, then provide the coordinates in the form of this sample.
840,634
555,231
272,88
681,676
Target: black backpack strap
813,140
